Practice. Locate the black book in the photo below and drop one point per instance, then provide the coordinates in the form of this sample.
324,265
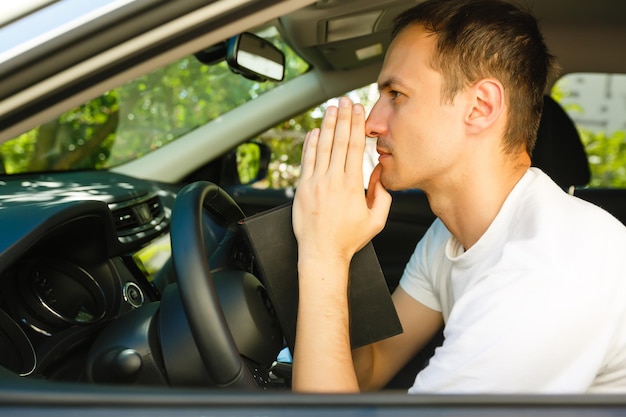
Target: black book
372,313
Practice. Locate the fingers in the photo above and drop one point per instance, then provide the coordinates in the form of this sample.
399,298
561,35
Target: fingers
378,199
339,143
342,135
326,139
356,144
329,204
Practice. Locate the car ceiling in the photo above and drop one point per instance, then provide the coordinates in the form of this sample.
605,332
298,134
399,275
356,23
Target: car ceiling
584,35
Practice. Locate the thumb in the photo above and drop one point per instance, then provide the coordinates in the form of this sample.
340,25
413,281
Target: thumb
378,199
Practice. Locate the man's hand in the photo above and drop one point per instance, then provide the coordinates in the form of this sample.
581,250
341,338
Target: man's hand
332,216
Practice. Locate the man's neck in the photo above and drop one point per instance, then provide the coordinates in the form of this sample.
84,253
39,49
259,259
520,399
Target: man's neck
468,207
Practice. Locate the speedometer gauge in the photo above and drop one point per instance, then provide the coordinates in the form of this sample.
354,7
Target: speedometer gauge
61,292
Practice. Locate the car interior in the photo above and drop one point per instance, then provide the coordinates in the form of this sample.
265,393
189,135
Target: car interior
86,321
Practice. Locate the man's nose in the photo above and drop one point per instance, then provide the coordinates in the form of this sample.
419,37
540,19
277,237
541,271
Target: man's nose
373,124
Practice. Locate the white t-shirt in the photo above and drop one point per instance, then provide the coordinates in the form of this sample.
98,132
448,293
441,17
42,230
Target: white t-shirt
537,305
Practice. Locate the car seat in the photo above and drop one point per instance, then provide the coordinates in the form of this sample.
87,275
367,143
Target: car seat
559,152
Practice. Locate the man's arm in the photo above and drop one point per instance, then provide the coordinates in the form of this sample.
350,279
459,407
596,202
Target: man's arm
377,363
332,220
373,365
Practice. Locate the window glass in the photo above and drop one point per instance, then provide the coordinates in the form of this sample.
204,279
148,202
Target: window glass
143,115
286,140
597,105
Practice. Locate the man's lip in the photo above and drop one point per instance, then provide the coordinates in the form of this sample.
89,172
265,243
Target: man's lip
382,152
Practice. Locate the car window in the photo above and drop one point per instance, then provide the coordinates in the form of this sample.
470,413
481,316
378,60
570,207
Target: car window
597,105
140,116
285,141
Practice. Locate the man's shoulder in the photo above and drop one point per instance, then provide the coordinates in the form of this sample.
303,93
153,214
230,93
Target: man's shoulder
546,199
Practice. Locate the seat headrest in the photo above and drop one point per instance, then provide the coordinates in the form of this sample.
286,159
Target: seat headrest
559,151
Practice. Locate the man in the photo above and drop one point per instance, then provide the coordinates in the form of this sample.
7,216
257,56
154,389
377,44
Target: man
527,279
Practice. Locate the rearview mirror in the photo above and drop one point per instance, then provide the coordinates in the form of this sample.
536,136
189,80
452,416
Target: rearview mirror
255,58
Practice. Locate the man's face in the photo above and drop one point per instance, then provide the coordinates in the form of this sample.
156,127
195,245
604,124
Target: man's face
419,136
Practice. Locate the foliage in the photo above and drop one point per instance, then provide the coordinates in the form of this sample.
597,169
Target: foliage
606,151
78,139
138,117
607,158
248,162
286,139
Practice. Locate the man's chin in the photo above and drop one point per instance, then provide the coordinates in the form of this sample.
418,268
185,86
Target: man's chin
386,178
391,183
387,182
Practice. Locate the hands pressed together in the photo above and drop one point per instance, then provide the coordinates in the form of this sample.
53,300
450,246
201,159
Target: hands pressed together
332,216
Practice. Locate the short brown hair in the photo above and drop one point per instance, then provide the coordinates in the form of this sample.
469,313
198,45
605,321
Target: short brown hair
489,38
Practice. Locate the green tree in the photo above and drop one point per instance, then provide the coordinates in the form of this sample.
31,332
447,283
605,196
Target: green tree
607,158
138,117
286,139
606,151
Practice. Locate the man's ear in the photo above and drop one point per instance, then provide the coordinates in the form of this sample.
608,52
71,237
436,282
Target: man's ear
486,105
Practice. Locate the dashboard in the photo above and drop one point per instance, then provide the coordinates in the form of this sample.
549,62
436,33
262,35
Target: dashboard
72,258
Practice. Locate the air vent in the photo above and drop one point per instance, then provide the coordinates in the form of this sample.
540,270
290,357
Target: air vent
125,219
136,217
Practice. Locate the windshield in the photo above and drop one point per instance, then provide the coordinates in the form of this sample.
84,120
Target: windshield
140,116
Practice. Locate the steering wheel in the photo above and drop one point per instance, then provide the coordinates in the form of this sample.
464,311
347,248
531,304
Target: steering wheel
206,318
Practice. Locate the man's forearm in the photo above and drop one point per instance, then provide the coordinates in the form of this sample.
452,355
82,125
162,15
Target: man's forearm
322,357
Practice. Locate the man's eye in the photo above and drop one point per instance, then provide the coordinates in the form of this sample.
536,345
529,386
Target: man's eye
394,94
